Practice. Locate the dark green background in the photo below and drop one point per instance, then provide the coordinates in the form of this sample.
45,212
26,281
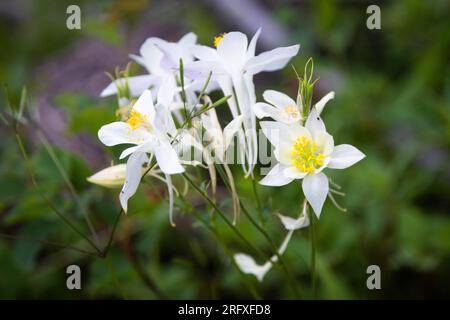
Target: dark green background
392,101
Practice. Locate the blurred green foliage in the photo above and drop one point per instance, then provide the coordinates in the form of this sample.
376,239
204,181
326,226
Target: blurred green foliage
392,101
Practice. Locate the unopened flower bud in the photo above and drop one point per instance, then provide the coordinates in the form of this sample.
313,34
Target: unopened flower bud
111,177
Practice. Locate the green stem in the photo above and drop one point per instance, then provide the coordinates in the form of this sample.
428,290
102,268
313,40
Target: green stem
313,253
215,232
222,214
49,203
183,92
258,203
49,243
112,270
148,281
69,184
113,232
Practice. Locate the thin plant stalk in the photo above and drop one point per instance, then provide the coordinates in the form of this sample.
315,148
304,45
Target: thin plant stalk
258,203
222,214
312,230
117,283
69,184
211,227
49,203
49,243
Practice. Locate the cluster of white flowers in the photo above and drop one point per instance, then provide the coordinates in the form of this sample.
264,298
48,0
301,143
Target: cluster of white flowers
167,117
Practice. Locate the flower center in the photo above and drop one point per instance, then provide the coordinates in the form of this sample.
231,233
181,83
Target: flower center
137,120
218,39
305,156
292,111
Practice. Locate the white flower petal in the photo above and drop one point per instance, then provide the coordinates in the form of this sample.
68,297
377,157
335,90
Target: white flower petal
151,56
185,142
276,177
315,188
344,156
294,173
244,90
278,132
172,55
163,121
283,153
210,122
296,131
116,133
314,123
188,39
167,158
231,129
248,265
138,59
200,70
232,50
275,132
132,178
204,53
227,88
144,105
271,60
136,84
145,147
198,85
266,110
325,143
252,45
167,91
322,102
294,224
278,99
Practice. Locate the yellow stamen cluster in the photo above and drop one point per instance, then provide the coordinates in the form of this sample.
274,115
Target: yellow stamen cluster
137,120
292,111
305,156
218,39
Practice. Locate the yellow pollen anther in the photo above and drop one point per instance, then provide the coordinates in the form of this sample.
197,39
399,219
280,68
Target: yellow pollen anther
305,156
137,120
292,111
218,39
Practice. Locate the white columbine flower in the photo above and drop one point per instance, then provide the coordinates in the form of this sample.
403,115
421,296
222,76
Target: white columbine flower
161,59
149,129
303,152
233,64
282,108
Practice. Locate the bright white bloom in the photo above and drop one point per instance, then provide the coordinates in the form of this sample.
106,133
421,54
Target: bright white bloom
303,153
248,265
282,108
149,128
161,59
233,65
